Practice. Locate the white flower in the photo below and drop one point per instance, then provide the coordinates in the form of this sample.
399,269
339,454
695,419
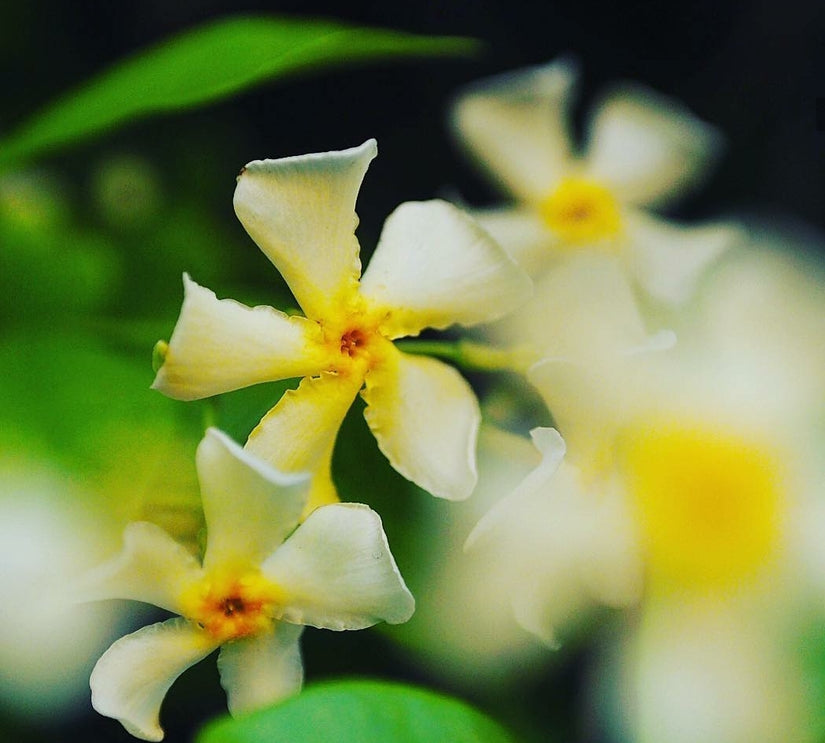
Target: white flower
261,579
433,267
643,150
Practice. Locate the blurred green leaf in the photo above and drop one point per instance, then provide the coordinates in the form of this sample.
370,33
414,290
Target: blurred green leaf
361,712
210,63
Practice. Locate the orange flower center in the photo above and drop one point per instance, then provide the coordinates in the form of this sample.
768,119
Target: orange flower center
230,606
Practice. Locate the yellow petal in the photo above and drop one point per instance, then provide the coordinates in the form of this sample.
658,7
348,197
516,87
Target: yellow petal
220,345
434,266
425,418
516,125
301,213
299,433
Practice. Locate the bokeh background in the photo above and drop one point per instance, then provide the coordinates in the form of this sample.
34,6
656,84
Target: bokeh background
95,237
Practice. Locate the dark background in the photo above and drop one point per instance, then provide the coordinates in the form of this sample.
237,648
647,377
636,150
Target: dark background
753,68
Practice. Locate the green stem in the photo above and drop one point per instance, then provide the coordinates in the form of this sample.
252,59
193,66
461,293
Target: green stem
472,356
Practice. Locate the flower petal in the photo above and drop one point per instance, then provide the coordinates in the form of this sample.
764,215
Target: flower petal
667,259
301,213
152,567
425,418
132,677
522,233
516,125
551,446
299,433
249,506
220,345
434,266
583,310
338,572
647,147
262,669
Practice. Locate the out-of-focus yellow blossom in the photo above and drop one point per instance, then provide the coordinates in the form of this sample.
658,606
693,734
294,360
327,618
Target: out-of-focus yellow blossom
260,581
433,267
643,150
710,457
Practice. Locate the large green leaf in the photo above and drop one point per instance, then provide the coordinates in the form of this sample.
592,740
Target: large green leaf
361,712
209,63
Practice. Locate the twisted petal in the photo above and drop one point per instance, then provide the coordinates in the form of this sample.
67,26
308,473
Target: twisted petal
220,345
152,567
425,418
648,148
551,446
668,259
249,506
516,125
132,677
299,433
301,213
262,669
338,573
434,266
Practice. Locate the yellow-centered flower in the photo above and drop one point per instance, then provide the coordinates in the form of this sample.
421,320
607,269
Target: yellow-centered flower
260,581
643,150
433,266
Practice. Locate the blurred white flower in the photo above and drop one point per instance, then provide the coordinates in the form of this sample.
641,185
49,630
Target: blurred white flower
47,642
643,151
260,581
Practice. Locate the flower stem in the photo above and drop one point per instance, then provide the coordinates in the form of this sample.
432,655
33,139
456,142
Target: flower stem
472,356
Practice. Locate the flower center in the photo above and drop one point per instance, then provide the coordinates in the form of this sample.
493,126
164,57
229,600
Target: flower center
581,211
353,342
231,605
708,502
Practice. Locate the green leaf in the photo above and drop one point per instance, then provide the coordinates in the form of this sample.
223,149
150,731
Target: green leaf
208,63
360,712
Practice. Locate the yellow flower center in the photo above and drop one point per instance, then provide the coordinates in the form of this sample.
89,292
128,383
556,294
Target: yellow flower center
708,503
354,340
581,211
231,605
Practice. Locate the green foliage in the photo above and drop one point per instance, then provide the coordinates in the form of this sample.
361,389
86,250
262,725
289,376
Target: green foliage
210,63
361,712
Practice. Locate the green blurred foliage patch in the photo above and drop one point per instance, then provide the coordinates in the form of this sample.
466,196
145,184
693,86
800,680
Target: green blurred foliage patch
209,63
361,712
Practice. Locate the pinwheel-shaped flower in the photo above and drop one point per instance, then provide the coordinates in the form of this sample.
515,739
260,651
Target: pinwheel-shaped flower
643,151
433,266
260,581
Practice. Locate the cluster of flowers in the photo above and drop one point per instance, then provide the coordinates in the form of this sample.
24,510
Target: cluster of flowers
680,475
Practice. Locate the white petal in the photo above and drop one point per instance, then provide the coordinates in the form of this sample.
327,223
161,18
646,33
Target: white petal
425,418
522,233
552,448
152,567
434,266
249,506
647,147
220,345
132,677
338,573
263,669
517,126
668,259
301,213
582,310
